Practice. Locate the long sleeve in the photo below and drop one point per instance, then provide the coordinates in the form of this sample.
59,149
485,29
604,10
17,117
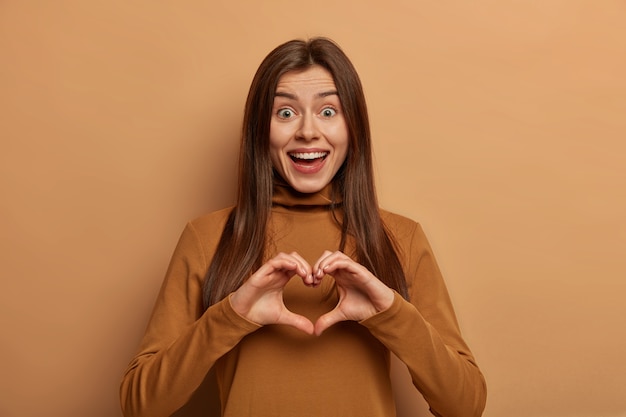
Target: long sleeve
425,335
182,342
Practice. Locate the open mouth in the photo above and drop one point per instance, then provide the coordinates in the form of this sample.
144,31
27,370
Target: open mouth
308,158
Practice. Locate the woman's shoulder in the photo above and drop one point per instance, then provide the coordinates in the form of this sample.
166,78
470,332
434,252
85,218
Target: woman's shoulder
212,222
401,227
395,220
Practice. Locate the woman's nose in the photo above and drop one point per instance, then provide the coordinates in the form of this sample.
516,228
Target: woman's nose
308,129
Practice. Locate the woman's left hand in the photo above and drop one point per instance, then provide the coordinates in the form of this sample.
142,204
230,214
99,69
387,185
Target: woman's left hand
361,294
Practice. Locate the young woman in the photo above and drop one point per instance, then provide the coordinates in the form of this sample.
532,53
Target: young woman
296,296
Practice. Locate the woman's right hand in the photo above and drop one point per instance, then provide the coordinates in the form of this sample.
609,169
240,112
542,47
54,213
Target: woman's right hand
260,298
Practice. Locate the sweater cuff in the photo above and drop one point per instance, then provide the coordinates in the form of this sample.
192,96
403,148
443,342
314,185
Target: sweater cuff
381,318
234,319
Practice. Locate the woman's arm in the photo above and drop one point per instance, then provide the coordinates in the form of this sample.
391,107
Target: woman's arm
182,342
425,335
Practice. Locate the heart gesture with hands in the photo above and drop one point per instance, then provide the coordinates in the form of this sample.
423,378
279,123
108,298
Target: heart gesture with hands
260,298
361,294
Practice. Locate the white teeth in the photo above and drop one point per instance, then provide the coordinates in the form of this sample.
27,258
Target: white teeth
308,155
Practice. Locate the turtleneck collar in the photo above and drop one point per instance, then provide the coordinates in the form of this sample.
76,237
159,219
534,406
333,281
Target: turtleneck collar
285,195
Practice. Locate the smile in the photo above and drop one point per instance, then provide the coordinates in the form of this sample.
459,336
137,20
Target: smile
307,156
308,162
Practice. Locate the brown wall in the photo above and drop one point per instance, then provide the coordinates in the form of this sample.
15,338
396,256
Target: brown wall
500,125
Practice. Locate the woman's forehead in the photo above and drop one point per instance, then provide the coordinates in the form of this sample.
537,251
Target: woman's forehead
315,76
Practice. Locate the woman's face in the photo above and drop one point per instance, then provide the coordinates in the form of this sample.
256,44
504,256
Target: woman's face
308,131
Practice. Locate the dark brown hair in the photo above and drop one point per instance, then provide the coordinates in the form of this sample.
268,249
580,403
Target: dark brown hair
241,248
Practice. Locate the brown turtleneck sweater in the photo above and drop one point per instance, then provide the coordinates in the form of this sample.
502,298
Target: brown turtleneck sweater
276,371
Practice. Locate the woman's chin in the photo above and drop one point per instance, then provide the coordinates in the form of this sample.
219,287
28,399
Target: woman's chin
309,186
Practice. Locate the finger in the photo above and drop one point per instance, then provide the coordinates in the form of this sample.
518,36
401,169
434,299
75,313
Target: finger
321,262
300,265
304,269
327,320
275,271
280,263
343,263
291,262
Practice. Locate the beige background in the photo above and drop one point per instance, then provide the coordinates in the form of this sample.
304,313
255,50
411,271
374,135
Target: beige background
499,125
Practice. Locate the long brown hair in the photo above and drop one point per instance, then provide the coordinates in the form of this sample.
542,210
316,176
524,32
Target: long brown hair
242,245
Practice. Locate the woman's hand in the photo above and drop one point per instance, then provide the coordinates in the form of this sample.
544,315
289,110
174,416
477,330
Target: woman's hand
260,298
361,294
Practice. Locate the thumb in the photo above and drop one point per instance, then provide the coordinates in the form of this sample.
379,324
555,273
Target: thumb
295,320
327,320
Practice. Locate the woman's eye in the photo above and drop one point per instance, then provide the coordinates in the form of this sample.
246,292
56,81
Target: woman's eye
285,113
329,112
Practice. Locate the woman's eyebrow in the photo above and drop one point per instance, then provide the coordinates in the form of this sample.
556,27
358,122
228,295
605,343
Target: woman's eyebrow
287,95
328,93
295,97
